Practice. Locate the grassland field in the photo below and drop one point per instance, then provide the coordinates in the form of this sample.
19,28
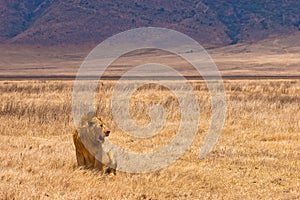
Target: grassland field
257,156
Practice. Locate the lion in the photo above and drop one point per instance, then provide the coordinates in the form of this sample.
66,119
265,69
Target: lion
88,139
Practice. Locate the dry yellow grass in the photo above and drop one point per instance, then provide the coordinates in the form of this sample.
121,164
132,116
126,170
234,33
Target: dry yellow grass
257,156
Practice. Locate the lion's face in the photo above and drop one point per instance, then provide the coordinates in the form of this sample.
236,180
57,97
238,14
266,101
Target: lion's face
98,127
92,131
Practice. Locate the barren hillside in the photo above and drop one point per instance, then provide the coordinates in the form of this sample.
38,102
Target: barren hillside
212,23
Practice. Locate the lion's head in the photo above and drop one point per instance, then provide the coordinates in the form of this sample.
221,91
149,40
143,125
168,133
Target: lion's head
97,126
92,132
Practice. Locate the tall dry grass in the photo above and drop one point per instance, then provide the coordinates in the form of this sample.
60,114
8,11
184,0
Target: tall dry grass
257,156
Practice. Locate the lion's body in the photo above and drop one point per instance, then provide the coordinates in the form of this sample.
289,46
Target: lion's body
83,156
88,139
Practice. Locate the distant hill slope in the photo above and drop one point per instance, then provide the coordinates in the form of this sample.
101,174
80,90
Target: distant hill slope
278,56
212,23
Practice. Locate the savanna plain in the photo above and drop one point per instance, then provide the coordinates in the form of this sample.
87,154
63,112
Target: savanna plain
257,155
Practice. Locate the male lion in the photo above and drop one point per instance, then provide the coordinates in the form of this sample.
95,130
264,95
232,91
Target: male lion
88,139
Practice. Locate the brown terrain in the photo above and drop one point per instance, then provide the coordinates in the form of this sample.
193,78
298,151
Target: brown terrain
257,155
279,56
